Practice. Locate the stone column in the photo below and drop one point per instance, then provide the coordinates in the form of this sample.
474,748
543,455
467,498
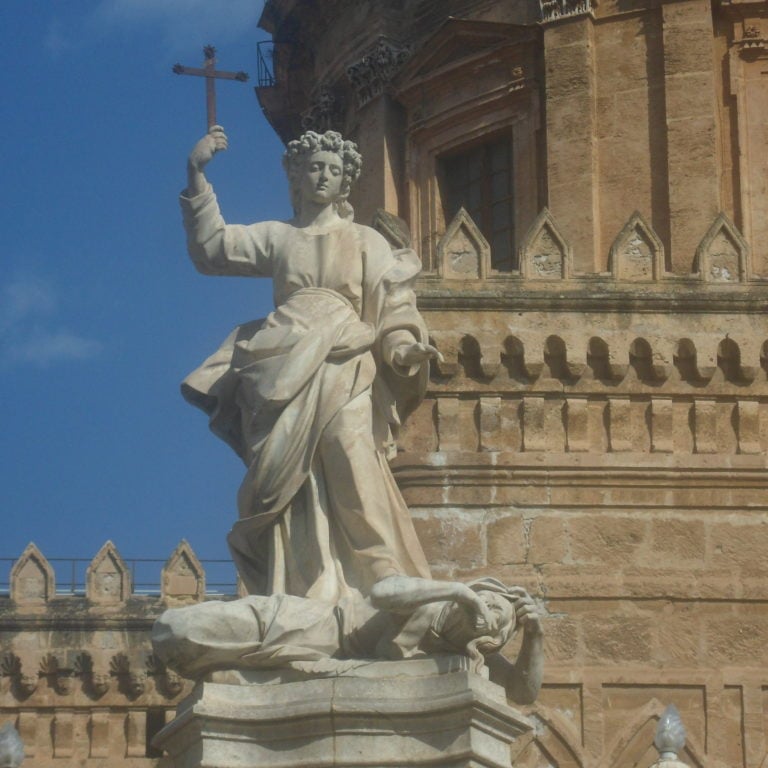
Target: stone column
423,712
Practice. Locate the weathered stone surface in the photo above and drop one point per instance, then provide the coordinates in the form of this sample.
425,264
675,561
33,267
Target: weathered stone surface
183,577
108,579
32,578
456,718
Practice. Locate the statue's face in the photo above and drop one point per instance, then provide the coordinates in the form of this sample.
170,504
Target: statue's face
322,177
460,623
501,610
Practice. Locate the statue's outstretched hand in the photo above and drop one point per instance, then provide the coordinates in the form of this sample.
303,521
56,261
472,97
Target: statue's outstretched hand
415,354
214,141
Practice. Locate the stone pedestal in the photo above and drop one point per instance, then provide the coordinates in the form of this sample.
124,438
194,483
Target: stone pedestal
424,712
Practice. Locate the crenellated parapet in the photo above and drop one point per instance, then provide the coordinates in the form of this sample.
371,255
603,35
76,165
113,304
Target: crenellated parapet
78,678
635,261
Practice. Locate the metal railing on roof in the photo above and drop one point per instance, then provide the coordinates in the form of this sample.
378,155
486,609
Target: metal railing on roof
220,575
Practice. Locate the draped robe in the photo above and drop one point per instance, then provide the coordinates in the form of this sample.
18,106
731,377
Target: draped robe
309,399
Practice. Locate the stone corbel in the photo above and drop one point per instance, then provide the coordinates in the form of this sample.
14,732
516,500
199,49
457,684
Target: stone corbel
132,679
168,681
752,44
22,684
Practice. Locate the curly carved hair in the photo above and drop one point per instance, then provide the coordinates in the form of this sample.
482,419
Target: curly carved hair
310,142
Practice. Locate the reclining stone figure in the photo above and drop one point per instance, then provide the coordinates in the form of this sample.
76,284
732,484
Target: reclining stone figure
404,617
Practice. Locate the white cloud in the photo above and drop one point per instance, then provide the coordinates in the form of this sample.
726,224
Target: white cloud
55,41
29,332
43,347
185,23
23,298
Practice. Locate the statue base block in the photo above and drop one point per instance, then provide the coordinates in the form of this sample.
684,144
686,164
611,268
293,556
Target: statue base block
410,713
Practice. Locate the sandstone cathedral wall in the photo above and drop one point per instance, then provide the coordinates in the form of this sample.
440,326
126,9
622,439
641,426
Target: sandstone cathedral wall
586,185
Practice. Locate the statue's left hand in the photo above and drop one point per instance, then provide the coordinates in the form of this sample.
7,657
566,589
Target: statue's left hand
526,612
415,354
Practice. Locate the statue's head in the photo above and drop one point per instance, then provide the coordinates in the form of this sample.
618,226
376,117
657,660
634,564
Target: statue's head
457,625
329,150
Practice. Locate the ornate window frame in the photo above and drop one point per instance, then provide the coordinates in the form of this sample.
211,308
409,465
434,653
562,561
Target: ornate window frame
471,81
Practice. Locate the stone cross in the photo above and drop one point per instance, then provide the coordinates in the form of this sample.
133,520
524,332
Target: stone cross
211,74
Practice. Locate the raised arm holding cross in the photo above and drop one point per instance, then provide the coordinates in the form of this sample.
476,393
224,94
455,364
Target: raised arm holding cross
211,74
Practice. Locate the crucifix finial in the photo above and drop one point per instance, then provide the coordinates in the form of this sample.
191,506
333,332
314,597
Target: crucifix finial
211,74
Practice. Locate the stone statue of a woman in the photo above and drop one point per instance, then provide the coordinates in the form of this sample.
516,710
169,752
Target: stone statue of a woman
309,397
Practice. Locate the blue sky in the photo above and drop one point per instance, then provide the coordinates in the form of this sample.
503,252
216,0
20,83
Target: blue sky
101,312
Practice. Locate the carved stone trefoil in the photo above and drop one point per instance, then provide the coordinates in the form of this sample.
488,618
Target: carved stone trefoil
560,9
374,71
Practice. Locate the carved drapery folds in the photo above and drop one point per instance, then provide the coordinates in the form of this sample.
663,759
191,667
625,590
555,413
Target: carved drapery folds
371,74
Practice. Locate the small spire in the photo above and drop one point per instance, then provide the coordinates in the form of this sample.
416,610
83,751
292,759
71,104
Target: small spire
11,747
670,734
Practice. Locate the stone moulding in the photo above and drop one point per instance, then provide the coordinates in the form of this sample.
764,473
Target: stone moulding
462,252
32,579
457,719
637,253
545,254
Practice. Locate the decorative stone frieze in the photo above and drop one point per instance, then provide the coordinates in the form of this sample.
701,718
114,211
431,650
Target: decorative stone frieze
371,74
552,10
752,45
